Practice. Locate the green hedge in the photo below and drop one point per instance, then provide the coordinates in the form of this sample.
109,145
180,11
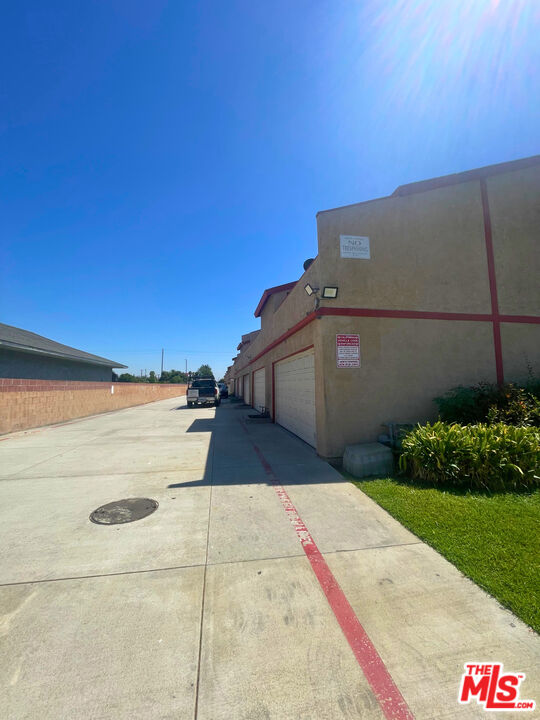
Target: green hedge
491,457
510,403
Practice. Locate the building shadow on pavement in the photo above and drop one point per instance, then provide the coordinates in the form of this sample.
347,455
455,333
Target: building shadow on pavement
237,444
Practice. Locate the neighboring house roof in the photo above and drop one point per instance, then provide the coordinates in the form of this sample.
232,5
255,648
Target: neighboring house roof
12,338
271,291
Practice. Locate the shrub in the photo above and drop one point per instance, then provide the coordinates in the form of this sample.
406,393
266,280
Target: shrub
517,408
491,457
485,402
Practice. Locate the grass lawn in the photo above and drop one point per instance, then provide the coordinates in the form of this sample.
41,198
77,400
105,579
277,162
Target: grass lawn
493,539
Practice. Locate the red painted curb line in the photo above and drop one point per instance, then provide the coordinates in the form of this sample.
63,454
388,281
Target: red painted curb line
384,688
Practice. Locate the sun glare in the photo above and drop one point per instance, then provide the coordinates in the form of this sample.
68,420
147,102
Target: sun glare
467,49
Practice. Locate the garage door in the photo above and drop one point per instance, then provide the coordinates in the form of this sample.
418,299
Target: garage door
259,385
295,395
246,389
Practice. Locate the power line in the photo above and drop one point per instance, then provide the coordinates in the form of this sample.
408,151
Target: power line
209,352
186,352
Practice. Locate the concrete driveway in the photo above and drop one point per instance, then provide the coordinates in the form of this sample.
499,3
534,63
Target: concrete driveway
263,587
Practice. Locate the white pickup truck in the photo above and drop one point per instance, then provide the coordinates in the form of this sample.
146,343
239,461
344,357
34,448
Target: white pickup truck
203,391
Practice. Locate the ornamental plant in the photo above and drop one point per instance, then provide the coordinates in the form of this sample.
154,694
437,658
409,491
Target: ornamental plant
496,457
489,403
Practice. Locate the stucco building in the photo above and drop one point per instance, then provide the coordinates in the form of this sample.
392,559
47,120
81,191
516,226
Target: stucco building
437,285
24,354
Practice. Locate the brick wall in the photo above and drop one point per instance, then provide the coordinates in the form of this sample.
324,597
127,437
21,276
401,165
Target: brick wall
32,403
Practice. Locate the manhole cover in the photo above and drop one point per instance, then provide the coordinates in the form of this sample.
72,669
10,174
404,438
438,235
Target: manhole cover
123,511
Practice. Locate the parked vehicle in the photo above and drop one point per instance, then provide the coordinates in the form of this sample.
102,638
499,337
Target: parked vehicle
223,390
203,391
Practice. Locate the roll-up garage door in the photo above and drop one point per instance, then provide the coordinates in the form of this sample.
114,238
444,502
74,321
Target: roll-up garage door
246,389
259,386
295,395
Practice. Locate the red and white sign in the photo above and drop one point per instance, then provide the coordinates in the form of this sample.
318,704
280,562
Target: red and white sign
348,351
493,688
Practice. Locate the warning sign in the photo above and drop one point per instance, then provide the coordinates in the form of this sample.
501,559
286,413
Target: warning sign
354,246
348,351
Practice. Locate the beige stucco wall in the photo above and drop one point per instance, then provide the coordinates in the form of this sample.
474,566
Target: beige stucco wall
270,307
514,201
427,252
521,350
280,313
404,365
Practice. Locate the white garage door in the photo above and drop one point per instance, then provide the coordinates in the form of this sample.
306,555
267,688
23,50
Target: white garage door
259,386
246,389
295,395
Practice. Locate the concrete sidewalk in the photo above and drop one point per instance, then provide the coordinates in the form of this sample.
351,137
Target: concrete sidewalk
210,607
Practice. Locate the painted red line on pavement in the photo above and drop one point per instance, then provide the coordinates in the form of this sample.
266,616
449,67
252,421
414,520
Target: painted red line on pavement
385,690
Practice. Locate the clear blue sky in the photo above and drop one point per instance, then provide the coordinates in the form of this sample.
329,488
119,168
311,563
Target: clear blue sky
162,163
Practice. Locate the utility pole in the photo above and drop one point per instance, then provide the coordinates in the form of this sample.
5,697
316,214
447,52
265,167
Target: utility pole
162,351
186,366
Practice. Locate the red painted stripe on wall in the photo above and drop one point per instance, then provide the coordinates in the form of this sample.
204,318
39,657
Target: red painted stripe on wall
497,344
404,314
526,319
384,688
365,312
376,313
492,283
292,331
489,249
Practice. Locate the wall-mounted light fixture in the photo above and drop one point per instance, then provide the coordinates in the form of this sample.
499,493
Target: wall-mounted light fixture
310,290
330,292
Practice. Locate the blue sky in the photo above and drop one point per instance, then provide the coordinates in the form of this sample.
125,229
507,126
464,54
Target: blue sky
162,162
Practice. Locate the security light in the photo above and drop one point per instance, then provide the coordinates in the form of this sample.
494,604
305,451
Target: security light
310,290
330,292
